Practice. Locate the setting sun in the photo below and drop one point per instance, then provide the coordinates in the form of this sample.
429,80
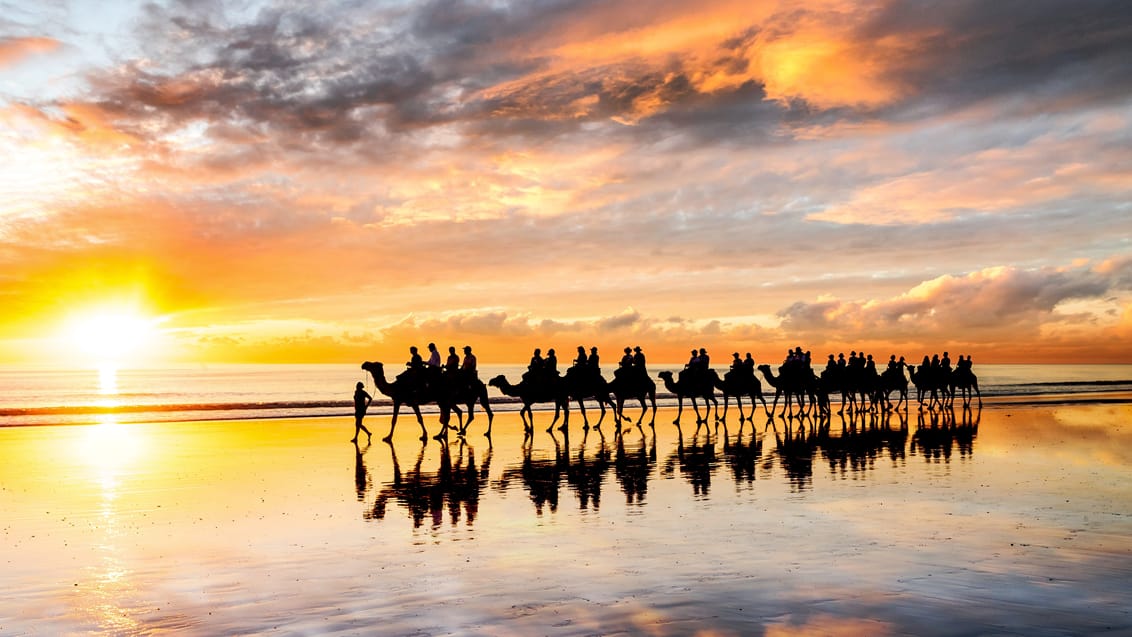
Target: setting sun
110,337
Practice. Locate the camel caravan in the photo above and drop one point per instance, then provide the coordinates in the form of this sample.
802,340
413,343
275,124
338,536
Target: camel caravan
455,387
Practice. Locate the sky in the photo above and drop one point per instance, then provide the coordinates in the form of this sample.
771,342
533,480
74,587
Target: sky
335,181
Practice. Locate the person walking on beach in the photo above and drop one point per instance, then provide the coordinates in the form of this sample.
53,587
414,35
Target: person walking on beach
362,399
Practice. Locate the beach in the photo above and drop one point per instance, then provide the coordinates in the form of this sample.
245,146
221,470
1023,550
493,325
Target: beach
1012,519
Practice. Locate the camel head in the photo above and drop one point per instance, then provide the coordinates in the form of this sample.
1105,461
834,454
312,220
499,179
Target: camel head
373,367
498,381
665,375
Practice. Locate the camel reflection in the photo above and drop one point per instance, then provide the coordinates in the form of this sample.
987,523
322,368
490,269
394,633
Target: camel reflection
936,437
696,462
863,438
742,455
795,451
455,486
585,475
853,445
543,477
633,466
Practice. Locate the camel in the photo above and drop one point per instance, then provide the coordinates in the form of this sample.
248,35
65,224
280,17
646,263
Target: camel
529,393
836,379
687,388
784,387
636,386
889,381
738,385
406,391
965,381
463,391
584,383
928,383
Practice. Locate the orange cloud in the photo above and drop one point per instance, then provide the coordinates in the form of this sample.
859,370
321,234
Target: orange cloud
15,50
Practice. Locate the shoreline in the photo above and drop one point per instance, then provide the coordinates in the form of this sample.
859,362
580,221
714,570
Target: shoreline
511,405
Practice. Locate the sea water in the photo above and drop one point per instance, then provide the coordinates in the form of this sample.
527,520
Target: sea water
31,396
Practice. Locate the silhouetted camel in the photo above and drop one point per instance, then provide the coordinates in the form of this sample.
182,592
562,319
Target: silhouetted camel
636,386
737,384
687,388
892,380
927,382
966,381
583,383
413,392
459,390
551,390
787,388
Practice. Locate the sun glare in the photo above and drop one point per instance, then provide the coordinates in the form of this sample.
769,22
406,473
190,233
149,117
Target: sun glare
110,338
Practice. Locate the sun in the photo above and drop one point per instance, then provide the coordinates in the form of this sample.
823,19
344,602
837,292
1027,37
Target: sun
110,337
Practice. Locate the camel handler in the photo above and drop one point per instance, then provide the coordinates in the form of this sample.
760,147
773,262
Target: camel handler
362,400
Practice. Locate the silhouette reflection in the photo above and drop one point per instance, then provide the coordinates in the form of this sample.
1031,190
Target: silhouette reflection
696,462
863,438
742,456
795,451
938,433
543,477
585,475
852,444
455,486
633,466
362,481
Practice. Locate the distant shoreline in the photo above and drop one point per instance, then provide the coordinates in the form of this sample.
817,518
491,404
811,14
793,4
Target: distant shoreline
507,404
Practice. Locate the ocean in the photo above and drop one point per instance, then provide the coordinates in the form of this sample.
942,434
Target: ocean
39,396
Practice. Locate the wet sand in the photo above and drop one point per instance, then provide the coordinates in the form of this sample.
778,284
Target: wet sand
1016,519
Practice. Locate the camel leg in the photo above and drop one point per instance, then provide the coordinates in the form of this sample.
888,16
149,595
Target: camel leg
471,408
420,421
490,415
679,409
557,414
652,420
565,419
726,401
393,422
585,419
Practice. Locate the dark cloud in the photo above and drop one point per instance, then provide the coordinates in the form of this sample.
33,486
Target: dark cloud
1054,53
346,75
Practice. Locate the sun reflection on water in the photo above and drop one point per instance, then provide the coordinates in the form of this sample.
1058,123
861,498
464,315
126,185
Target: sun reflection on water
108,380
111,450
